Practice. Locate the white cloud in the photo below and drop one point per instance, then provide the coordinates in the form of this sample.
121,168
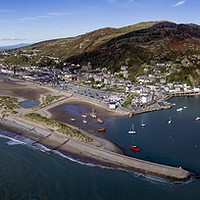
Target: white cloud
12,39
120,3
28,18
111,1
48,15
61,13
179,3
5,11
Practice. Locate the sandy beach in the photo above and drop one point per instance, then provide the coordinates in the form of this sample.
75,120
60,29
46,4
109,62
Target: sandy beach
100,150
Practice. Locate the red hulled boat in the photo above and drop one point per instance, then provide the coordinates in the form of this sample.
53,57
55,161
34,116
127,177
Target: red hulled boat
135,148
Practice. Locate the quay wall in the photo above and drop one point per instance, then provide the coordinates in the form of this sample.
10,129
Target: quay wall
65,144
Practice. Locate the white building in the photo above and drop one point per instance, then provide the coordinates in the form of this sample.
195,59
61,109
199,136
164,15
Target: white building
146,99
112,106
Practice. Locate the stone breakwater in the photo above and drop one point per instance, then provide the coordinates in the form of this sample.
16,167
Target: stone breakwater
66,144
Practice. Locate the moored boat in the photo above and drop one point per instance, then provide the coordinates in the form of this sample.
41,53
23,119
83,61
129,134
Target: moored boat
135,148
179,109
85,121
143,124
100,121
73,120
101,130
83,115
170,120
92,114
197,118
132,131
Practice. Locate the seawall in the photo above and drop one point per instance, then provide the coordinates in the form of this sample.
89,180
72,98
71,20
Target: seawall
74,146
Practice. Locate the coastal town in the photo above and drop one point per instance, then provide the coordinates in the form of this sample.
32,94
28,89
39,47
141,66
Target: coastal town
150,90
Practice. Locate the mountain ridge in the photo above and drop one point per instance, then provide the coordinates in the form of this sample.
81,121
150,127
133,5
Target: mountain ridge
134,46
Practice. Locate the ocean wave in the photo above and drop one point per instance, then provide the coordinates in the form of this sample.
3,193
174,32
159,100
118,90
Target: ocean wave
17,140
13,142
84,163
21,140
42,147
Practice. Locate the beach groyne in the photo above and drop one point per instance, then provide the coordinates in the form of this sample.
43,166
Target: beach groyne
66,144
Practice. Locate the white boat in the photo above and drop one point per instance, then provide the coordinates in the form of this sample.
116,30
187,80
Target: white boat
170,120
93,115
132,131
85,121
143,124
73,120
179,109
197,118
84,115
185,107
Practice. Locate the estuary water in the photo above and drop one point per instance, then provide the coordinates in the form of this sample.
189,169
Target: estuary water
34,173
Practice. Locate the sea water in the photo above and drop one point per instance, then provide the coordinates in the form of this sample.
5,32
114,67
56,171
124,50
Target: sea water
30,171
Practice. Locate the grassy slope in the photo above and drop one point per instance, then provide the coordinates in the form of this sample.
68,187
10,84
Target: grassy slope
67,47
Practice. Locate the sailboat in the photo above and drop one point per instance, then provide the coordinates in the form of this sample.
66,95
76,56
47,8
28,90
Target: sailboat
132,131
197,118
143,124
93,115
84,115
170,120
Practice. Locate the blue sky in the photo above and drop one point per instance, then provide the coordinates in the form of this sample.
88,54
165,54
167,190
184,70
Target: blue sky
30,21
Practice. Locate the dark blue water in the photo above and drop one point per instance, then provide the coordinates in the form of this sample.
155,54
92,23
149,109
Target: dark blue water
28,173
176,144
29,104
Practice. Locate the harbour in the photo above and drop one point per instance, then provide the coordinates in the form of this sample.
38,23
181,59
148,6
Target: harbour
64,171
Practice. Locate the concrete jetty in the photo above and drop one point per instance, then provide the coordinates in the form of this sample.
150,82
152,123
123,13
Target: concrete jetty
128,163
63,143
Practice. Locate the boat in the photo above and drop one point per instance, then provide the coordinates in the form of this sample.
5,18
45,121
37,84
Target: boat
185,107
85,121
100,121
197,118
143,124
179,109
73,120
101,130
135,148
93,115
84,115
132,131
170,120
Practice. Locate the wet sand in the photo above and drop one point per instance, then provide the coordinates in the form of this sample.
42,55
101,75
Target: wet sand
21,90
74,108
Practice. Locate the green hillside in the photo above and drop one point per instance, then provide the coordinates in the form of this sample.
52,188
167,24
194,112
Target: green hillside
67,47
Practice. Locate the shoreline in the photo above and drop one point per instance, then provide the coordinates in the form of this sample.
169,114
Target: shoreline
104,153
108,158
